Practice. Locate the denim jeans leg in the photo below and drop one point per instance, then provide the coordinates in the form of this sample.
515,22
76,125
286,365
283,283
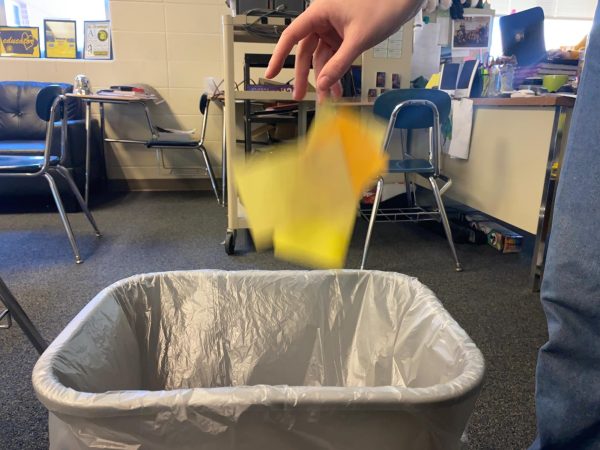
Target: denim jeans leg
568,370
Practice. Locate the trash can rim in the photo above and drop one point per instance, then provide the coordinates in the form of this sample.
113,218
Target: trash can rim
57,397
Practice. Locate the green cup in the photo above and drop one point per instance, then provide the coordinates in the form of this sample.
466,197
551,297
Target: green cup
554,82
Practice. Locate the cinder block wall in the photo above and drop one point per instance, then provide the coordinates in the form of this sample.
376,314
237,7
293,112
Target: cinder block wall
172,45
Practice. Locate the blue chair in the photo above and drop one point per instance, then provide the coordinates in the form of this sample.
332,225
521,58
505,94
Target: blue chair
50,105
411,109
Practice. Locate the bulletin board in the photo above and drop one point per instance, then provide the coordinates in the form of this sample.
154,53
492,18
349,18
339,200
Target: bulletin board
391,57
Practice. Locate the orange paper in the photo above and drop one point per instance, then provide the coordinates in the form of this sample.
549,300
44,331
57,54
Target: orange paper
304,200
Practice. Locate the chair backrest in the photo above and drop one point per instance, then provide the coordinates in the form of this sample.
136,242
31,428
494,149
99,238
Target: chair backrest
203,103
50,107
45,99
413,117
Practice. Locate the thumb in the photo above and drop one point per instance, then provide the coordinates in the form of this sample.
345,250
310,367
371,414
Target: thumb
337,65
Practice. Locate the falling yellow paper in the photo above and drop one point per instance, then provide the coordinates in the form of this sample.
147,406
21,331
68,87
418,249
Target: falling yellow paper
264,189
304,201
362,139
315,228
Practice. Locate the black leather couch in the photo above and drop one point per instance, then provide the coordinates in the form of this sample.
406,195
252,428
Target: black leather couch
22,131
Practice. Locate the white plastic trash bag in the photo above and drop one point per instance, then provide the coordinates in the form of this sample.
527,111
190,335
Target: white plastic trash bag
261,360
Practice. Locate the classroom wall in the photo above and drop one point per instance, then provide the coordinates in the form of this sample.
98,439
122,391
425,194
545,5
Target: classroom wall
171,45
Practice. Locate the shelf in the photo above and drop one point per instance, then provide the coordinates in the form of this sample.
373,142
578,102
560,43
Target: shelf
249,38
272,95
543,100
241,34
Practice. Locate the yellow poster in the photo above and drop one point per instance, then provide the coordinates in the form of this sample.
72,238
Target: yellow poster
22,42
61,39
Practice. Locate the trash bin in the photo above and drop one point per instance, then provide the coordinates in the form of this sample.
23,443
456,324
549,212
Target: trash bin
261,360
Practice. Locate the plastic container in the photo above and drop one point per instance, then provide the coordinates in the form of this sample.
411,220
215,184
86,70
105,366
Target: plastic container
261,360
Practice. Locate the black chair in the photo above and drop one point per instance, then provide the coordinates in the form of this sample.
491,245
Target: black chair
50,105
15,311
411,109
162,138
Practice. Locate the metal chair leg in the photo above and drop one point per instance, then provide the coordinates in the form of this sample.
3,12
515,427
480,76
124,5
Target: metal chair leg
210,171
15,310
372,221
445,222
63,216
409,191
67,176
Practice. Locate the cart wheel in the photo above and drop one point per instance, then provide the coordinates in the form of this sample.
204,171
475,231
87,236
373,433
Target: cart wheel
230,242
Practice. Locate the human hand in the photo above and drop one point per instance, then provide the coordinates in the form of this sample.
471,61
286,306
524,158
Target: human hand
333,33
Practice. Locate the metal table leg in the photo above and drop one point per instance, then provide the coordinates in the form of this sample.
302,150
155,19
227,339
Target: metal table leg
88,145
247,127
102,124
302,118
555,156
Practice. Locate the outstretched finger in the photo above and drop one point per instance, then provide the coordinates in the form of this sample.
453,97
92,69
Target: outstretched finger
304,57
299,29
337,90
338,65
321,55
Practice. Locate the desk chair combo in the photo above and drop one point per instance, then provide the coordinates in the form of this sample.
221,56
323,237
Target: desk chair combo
411,109
13,310
166,139
50,106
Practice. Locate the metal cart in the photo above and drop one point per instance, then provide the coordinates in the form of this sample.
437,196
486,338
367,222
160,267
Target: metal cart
235,30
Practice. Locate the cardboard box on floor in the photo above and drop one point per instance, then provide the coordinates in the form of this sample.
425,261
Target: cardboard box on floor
499,237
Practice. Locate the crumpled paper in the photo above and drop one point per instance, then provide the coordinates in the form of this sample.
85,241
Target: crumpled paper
301,199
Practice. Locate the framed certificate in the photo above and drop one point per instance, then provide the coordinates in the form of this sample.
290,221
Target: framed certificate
21,42
472,33
97,40
61,38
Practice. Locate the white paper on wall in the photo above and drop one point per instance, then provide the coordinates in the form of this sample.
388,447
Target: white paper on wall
444,23
427,52
395,44
391,47
462,125
381,50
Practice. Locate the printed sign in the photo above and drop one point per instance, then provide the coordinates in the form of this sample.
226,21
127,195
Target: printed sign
61,39
23,42
97,42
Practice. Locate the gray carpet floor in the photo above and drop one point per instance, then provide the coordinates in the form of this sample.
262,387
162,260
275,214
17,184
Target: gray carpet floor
147,232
